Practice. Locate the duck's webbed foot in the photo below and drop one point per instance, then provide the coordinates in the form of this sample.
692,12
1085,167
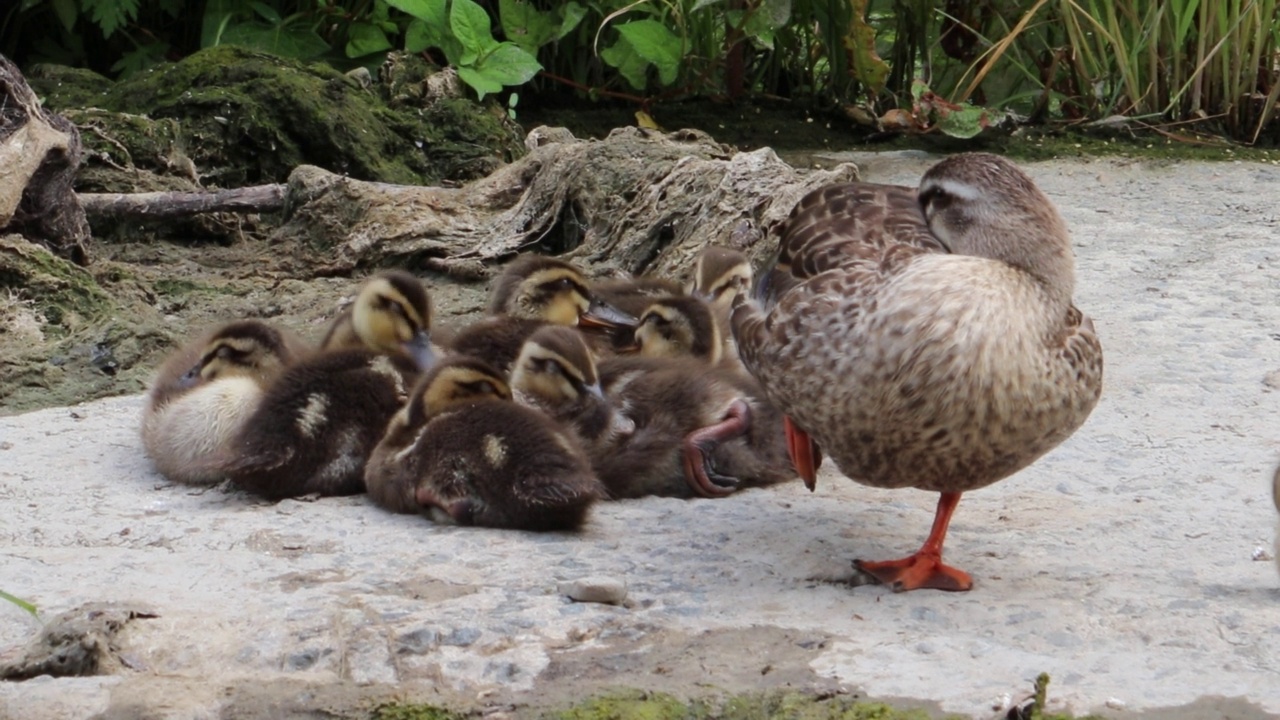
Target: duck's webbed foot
804,452
915,572
698,469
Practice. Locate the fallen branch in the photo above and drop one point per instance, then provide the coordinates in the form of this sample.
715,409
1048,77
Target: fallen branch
161,205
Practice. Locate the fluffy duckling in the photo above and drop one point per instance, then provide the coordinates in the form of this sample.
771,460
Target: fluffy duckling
463,452
721,276
317,423
391,315
699,430
556,373
533,291
206,390
679,326
926,339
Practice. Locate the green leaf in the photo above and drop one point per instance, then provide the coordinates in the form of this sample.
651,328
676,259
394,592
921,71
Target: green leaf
860,41
266,12
20,603
470,25
110,15
290,41
767,19
573,14
704,3
509,64
524,25
481,84
654,42
66,12
366,39
627,61
431,11
965,122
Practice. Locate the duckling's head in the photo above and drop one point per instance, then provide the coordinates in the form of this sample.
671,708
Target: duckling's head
721,275
455,382
984,205
392,315
679,326
556,367
543,288
246,348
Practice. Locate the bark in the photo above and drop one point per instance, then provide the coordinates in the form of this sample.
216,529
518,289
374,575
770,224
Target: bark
159,205
39,154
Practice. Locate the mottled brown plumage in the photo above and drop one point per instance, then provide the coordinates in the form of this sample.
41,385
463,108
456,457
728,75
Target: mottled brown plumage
463,452
928,344
206,390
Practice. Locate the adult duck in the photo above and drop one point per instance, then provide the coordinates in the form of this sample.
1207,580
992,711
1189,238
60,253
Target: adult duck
925,339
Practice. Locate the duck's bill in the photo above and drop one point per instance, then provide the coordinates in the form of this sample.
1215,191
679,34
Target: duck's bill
603,315
419,348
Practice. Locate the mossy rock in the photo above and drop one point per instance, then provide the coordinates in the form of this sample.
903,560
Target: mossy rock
64,294
245,118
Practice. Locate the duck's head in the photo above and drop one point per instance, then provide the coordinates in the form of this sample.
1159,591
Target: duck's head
679,326
246,348
721,275
556,367
543,288
392,315
454,382
984,205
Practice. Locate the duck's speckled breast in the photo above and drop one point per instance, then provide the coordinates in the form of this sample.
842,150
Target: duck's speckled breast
945,373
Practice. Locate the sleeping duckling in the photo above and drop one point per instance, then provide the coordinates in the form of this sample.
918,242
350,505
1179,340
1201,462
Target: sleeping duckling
316,425
533,291
698,430
206,390
556,373
721,275
463,452
679,326
390,315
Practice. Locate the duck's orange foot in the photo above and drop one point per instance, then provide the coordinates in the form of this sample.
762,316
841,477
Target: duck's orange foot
916,572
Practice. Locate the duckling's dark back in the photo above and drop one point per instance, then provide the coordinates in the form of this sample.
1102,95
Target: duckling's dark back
496,340
317,424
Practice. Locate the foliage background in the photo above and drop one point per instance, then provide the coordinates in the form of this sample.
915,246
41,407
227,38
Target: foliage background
914,65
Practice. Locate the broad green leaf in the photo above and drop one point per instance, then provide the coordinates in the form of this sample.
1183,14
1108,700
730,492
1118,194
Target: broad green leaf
66,12
217,15
478,82
266,12
366,39
431,11
510,64
866,66
767,19
295,41
470,25
573,14
965,122
654,42
627,61
525,25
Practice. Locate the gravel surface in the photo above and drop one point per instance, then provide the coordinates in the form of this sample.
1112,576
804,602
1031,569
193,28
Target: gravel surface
1132,563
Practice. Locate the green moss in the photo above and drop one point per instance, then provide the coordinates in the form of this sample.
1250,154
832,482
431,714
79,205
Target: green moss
413,712
632,706
60,87
64,293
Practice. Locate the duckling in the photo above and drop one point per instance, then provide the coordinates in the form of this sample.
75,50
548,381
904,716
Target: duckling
926,339
533,291
698,430
317,423
721,276
679,326
463,452
556,373
391,314
206,390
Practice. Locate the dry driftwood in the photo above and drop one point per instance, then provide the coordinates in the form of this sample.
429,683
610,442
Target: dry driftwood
159,205
39,154
637,201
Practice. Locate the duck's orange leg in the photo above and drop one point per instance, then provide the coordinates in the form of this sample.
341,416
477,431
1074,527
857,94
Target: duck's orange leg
924,569
804,452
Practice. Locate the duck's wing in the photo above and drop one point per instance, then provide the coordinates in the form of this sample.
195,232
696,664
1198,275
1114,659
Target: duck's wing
836,225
